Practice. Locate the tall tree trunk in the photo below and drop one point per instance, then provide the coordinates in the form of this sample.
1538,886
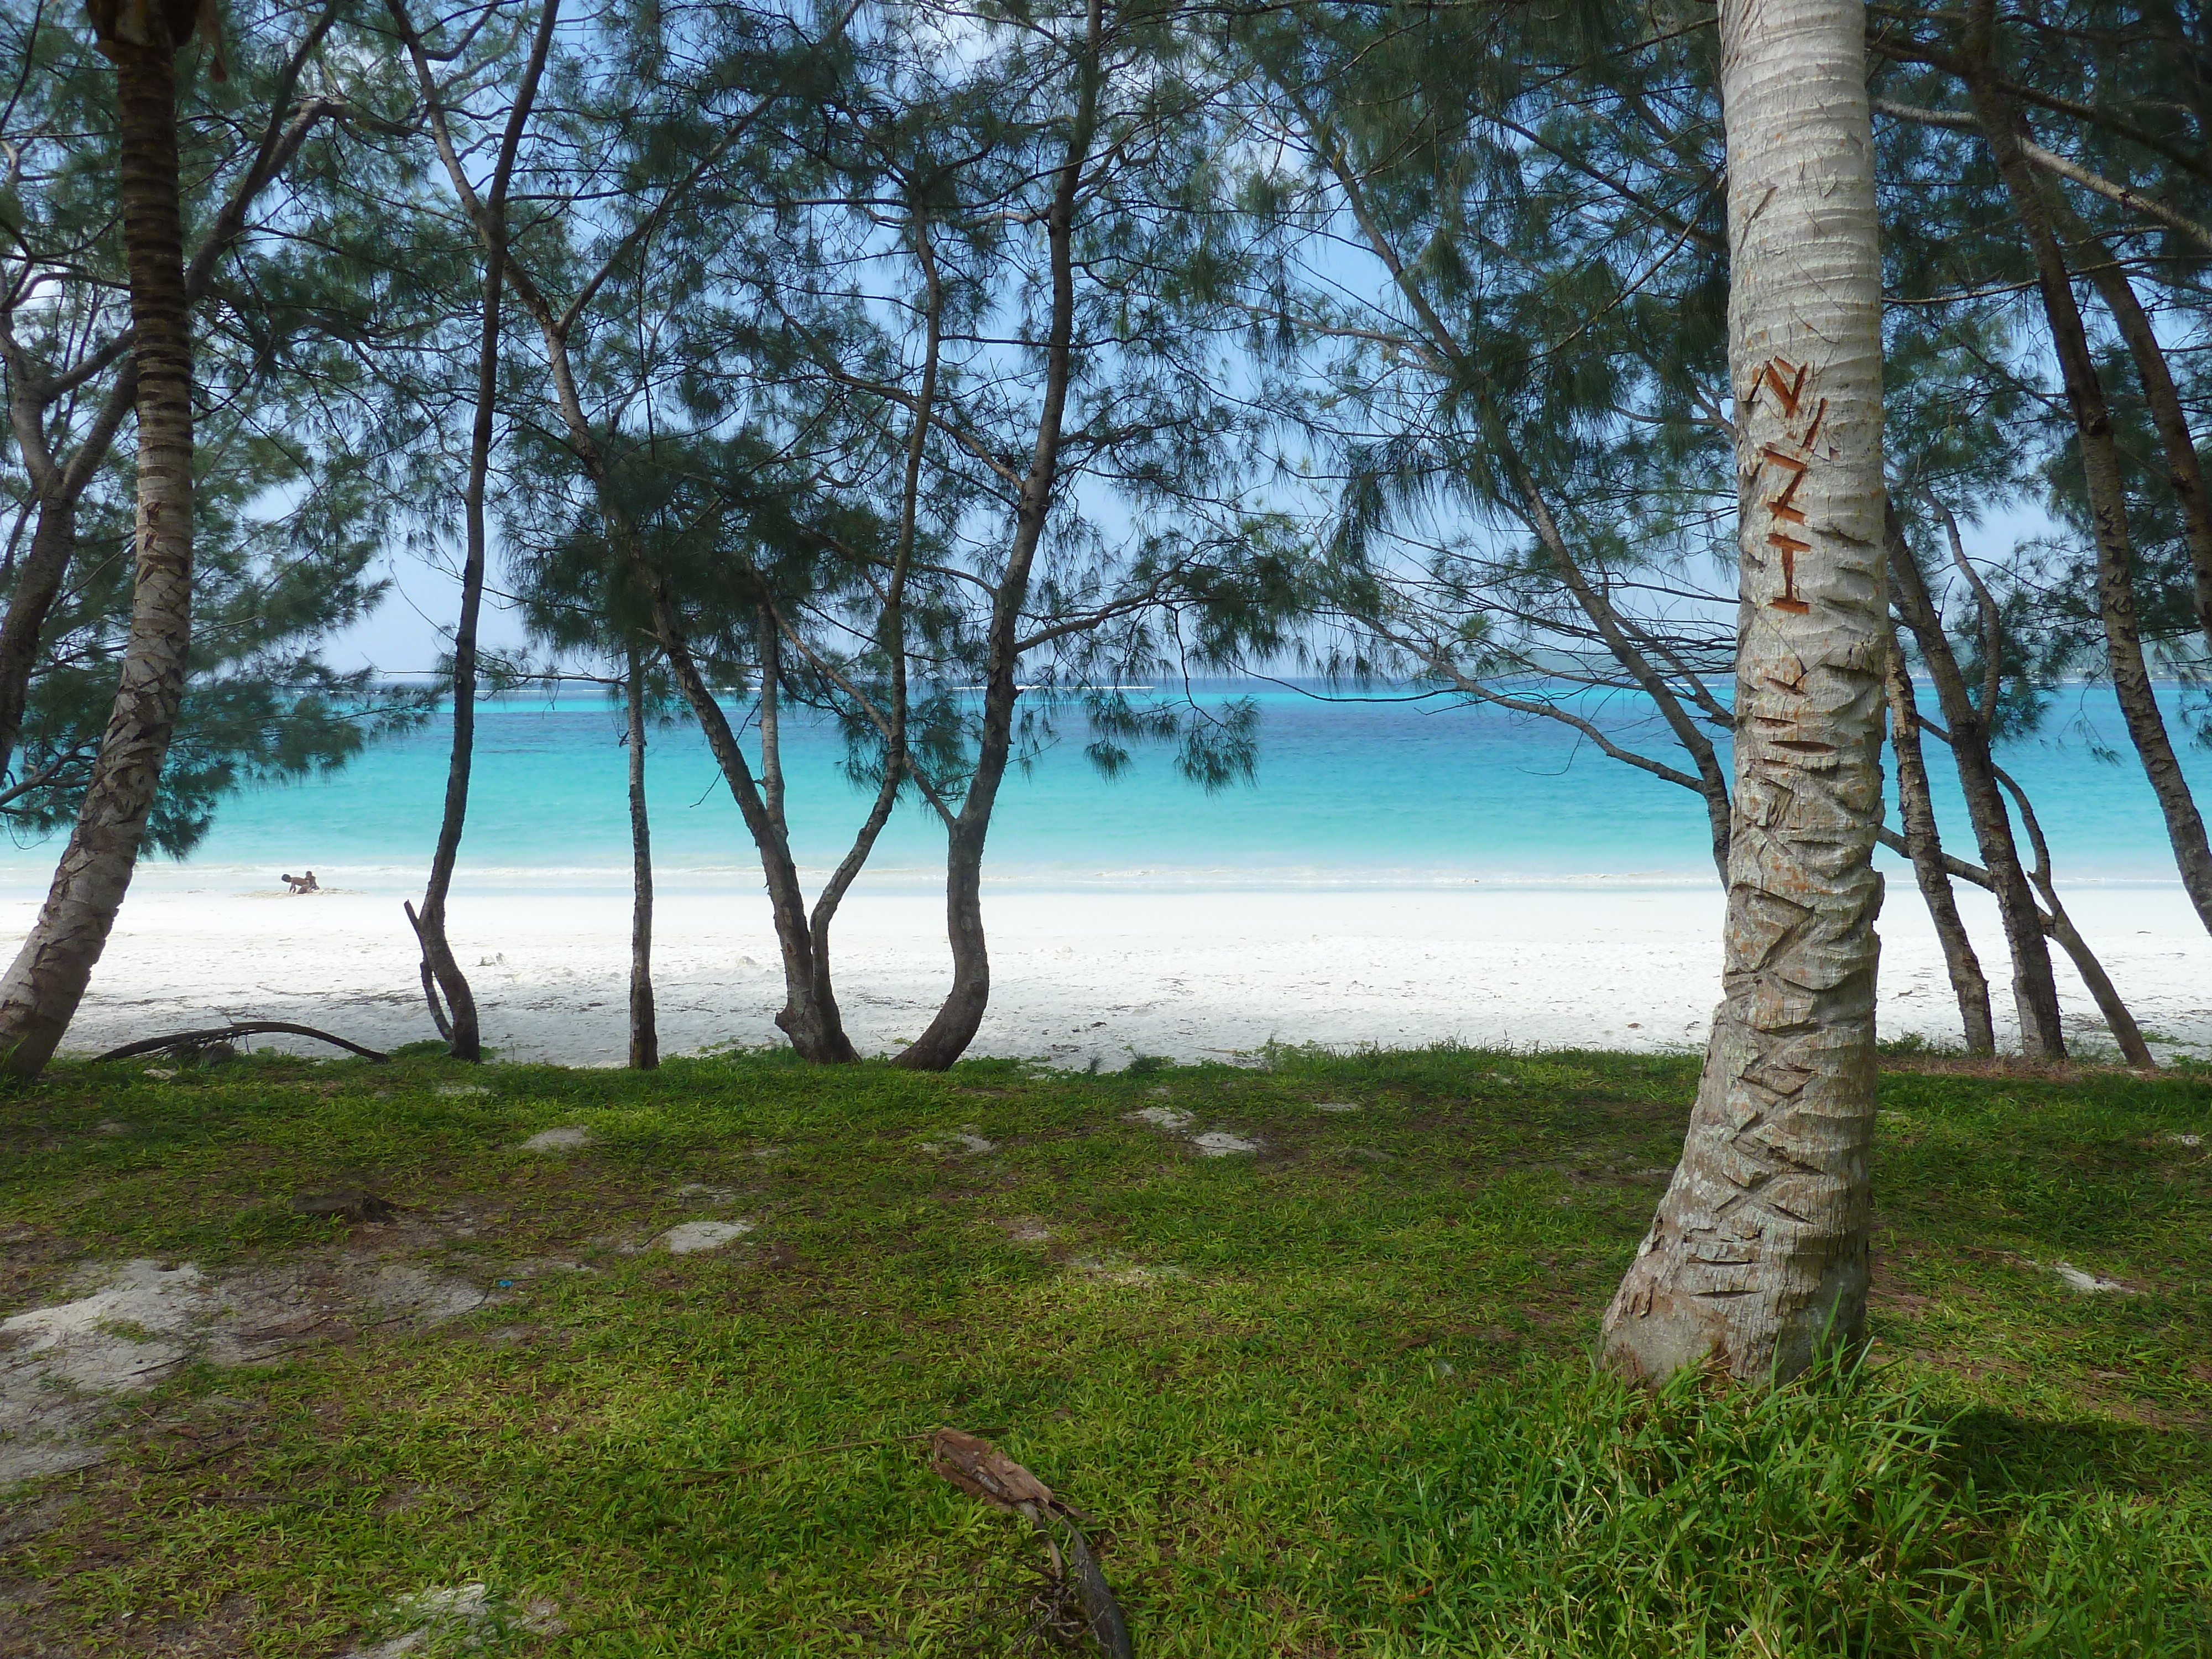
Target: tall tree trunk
2184,472
59,486
458,1024
2034,992
39,995
1915,808
644,1037
1758,1257
441,969
961,1014
2100,464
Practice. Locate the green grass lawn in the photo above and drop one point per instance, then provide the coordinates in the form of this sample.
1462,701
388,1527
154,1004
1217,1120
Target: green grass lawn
1332,1397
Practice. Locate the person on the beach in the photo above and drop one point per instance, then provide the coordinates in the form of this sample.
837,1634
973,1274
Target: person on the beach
302,883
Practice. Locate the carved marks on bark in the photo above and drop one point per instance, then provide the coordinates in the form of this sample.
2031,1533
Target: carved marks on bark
1773,1174
1793,457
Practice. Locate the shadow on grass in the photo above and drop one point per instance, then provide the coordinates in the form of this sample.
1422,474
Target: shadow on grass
2003,1454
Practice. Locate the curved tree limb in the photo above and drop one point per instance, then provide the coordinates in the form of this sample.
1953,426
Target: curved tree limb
225,1033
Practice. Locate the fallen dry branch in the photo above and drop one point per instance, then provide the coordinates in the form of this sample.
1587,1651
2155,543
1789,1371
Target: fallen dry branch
226,1033
982,1470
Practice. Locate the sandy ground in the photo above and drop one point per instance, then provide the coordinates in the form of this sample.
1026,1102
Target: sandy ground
1080,976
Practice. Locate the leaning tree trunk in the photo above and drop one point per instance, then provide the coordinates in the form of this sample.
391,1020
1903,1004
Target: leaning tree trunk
1916,808
1758,1257
39,995
961,1014
644,1037
2101,475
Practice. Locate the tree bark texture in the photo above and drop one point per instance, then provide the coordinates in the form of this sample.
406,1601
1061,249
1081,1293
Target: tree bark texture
41,990
644,1034
2100,464
1916,808
1758,1257
2034,992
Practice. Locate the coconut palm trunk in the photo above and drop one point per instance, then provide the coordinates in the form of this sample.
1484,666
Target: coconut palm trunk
1758,1257
39,995
59,484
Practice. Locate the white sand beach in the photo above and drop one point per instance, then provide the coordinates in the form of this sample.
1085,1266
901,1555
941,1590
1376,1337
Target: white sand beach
1077,977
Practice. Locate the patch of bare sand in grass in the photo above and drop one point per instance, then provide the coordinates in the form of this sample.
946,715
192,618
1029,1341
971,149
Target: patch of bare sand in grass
132,1323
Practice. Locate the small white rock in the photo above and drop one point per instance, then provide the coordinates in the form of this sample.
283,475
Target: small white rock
2186,1140
1335,1106
966,1141
2089,1284
1160,1117
694,1236
1219,1143
566,1138
164,1072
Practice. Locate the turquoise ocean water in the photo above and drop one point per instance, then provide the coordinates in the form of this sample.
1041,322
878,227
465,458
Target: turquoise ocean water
1385,793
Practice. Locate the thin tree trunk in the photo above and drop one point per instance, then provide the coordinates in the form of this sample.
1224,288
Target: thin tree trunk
815,1028
2061,928
1758,1257
38,584
2034,992
957,1018
39,995
457,1023
441,969
644,1037
771,715
1915,808
2163,399
891,633
2117,1020
2100,465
